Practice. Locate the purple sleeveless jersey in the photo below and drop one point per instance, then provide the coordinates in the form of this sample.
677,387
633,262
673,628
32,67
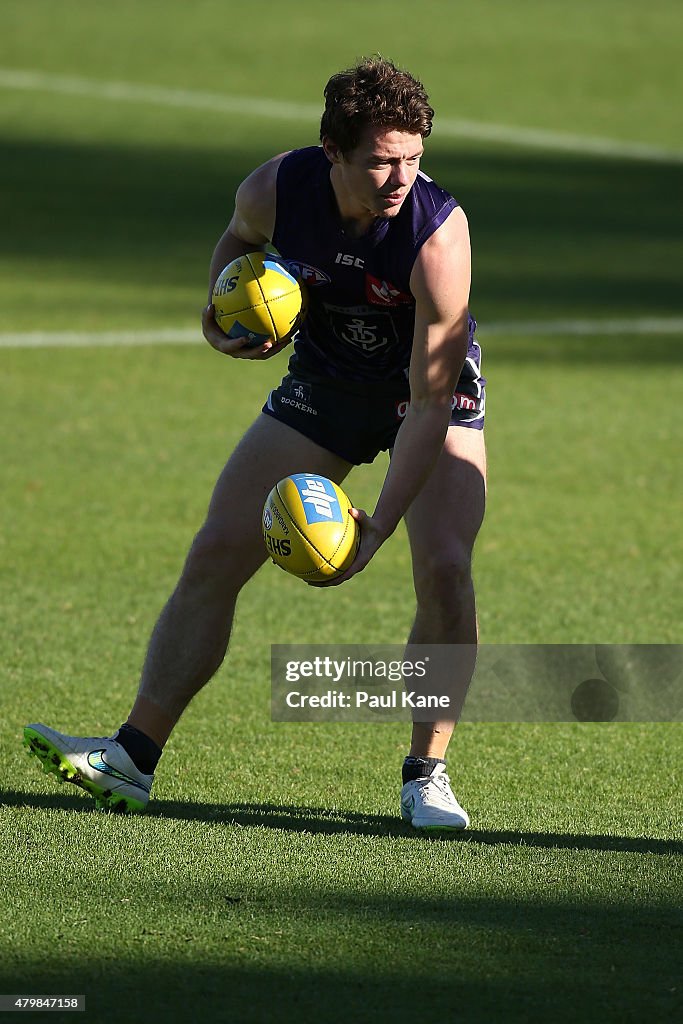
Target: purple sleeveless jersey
361,314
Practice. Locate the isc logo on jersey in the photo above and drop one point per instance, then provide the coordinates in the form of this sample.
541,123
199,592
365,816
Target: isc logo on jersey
346,260
308,529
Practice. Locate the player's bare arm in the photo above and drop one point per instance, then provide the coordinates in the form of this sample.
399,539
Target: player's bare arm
250,229
440,283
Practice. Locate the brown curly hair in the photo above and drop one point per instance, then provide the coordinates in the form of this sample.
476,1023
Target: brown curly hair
374,93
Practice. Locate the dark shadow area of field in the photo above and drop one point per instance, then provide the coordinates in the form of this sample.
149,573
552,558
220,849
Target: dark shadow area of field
553,235
538,961
291,818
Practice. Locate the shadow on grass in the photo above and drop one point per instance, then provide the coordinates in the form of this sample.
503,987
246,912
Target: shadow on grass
555,235
342,956
319,820
148,990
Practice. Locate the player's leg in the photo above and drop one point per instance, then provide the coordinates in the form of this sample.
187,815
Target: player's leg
442,524
191,637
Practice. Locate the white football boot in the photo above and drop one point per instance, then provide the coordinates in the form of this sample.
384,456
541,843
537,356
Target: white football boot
99,765
428,803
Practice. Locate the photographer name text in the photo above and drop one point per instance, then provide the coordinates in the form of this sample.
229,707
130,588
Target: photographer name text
362,699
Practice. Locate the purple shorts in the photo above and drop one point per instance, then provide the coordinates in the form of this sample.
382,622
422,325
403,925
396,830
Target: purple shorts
359,419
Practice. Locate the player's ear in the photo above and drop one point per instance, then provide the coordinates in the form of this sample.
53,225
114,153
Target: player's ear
332,150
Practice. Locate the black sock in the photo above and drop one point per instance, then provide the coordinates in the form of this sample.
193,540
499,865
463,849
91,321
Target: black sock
419,767
143,752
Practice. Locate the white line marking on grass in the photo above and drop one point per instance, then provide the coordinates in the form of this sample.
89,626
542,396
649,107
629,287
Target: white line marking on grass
541,138
91,88
280,110
642,325
97,339
191,335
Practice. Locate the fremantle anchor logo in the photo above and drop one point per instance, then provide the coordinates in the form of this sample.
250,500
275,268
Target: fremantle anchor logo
363,334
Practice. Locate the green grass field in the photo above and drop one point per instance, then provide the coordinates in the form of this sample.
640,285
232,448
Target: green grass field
271,879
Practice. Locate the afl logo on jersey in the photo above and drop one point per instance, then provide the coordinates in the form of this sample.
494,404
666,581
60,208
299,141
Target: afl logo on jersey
309,275
383,293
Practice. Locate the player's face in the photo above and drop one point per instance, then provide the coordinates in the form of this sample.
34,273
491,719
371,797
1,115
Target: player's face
374,179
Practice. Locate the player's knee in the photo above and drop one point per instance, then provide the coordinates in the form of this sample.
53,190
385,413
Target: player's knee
444,580
213,559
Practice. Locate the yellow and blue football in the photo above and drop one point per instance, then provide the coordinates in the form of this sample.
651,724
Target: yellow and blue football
257,297
308,528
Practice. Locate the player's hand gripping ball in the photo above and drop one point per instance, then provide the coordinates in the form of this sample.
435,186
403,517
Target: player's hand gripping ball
257,297
308,529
